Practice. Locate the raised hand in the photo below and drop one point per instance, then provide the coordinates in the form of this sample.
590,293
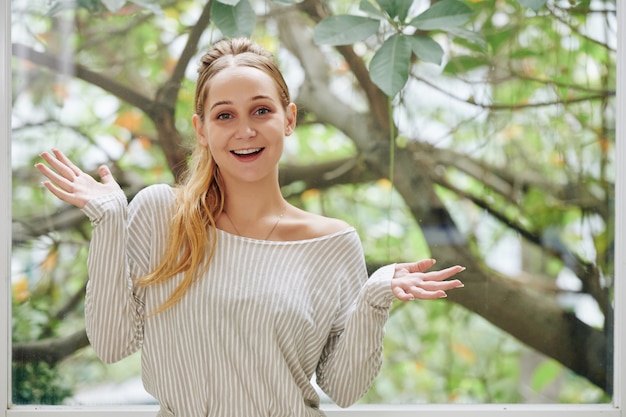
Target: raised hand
412,282
72,185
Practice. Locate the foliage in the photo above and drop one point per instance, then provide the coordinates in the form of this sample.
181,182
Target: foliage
38,383
501,115
389,67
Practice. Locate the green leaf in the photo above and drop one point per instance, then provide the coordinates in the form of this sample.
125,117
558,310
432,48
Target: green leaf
344,29
367,7
443,14
463,64
469,35
389,68
234,21
426,49
533,4
544,374
396,8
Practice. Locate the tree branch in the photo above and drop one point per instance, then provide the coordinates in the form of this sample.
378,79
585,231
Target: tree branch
376,99
51,62
49,350
169,91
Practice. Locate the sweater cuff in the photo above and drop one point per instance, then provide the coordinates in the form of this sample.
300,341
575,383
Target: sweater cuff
378,287
95,208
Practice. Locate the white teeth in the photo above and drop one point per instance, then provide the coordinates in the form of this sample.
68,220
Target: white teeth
246,151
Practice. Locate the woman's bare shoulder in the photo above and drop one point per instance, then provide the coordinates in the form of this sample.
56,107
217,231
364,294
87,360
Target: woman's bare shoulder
301,225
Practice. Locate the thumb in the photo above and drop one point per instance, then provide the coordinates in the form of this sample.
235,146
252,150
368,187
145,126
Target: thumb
105,174
421,266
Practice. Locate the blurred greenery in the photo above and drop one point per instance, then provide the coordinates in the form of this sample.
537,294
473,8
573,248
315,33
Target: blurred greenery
504,162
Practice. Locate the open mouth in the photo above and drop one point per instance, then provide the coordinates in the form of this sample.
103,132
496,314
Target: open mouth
247,153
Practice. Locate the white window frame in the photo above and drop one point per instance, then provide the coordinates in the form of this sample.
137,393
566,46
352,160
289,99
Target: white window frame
614,409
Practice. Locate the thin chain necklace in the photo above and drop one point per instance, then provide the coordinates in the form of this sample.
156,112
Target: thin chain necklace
282,213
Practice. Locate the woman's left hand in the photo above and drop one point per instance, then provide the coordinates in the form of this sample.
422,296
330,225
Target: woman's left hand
411,281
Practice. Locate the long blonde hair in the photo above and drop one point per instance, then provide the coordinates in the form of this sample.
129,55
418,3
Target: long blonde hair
200,194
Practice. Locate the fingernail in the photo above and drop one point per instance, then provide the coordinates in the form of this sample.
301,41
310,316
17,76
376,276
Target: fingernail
460,286
444,295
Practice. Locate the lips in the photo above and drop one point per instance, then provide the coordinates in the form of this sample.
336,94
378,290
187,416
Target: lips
247,154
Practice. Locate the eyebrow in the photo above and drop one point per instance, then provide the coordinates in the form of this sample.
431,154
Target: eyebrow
228,102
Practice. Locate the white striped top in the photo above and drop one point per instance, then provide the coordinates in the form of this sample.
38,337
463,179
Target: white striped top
247,337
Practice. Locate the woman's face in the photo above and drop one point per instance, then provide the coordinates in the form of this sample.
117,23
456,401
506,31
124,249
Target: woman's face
244,124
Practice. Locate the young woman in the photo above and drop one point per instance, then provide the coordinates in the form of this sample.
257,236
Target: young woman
235,297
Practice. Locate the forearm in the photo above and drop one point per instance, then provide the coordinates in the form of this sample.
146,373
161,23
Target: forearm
353,359
113,315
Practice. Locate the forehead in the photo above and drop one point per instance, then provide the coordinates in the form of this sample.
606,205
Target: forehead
238,80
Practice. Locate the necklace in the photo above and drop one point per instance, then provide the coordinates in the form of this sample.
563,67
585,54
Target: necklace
268,235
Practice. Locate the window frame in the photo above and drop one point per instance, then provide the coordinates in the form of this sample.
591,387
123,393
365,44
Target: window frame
613,409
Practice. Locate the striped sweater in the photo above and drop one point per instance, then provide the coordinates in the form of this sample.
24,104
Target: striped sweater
248,336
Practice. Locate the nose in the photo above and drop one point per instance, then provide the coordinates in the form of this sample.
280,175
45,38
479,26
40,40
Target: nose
245,130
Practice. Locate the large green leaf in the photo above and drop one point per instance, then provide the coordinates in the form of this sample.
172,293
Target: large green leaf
442,15
344,29
396,8
389,68
426,49
369,8
232,21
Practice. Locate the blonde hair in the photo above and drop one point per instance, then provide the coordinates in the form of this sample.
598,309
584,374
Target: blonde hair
200,193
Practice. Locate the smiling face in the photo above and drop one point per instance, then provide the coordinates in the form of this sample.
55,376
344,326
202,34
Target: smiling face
244,123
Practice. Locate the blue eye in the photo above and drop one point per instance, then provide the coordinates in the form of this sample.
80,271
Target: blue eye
223,116
263,110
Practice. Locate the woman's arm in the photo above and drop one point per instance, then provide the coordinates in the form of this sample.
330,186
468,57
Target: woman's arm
113,312
113,309
352,358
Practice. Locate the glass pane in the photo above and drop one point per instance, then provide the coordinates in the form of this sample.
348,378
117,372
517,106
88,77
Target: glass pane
502,160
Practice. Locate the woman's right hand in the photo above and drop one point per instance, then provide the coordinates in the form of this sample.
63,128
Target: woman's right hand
72,185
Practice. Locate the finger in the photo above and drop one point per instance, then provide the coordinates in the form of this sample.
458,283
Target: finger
424,294
402,295
59,193
442,274
419,266
439,285
55,178
57,165
105,174
65,160
407,291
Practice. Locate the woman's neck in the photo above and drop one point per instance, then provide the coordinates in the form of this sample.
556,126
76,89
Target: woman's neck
253,210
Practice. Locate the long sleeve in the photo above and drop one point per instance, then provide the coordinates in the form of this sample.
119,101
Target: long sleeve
352,357
113,312
253,329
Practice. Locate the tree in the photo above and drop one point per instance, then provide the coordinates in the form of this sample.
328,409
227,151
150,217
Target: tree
513,139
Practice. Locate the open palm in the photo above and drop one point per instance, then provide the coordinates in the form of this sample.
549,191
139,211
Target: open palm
70,184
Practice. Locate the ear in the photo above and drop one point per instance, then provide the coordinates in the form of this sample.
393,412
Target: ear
198,127
291,113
